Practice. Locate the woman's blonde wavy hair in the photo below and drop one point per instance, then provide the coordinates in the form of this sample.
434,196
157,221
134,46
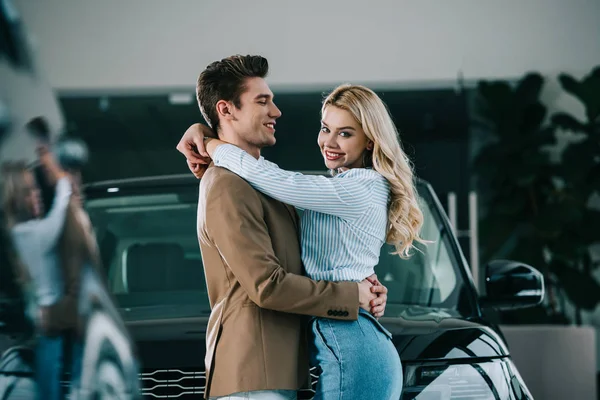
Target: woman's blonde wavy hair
387,158
13,189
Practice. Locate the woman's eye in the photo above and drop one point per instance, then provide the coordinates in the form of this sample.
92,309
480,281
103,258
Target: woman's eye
263,103
344,134
324,129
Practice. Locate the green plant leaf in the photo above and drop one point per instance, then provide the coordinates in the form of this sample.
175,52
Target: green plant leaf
532,118
568,122
529,88
571,86
582,289
578,161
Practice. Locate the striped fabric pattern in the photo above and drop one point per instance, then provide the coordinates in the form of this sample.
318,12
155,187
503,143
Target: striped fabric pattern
344,222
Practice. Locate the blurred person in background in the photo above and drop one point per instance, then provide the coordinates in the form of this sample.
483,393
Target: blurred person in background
55,266
35,237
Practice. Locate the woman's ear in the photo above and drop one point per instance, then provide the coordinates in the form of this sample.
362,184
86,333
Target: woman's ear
369,145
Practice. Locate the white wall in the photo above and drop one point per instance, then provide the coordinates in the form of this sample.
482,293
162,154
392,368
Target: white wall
164,44
556,362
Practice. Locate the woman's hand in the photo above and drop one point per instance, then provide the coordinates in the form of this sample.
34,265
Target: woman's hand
193,148
378,305
191,144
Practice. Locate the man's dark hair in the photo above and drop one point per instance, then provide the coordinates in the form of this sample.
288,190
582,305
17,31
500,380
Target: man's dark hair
225,80
39,127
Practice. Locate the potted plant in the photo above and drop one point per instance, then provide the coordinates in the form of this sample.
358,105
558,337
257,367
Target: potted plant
543,213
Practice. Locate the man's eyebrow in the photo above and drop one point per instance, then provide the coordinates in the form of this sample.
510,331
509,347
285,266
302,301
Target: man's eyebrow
263,96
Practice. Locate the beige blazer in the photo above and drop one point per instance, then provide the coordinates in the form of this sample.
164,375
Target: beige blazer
256,335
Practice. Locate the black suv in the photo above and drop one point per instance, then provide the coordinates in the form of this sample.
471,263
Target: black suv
147,233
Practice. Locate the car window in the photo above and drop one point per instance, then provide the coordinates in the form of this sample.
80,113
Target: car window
149,250
431,277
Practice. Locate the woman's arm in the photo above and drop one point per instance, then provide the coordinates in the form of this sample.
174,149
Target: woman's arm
346,198
51,226
192,147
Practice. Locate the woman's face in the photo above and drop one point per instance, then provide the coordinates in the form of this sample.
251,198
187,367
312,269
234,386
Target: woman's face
342,140
32,201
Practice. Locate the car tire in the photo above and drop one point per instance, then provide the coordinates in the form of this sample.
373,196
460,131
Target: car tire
110,382
17,359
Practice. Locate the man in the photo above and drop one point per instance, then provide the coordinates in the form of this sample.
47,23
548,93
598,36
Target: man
256,344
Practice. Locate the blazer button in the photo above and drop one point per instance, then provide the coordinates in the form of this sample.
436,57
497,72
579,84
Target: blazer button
330,312
346,313
338,313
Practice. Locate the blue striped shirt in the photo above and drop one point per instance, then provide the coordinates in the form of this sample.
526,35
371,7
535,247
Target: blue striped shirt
345,218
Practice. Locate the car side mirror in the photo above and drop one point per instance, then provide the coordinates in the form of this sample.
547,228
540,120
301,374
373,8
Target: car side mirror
511,284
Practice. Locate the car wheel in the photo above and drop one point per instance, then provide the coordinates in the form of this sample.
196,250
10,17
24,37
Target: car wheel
17,360
110,382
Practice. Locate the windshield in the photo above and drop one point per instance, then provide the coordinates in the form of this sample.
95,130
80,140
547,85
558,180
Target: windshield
150,252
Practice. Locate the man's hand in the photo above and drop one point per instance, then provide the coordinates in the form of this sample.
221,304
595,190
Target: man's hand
378,304
365,296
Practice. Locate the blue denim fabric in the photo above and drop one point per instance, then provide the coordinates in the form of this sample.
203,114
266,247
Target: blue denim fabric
358,360
49,367
75,353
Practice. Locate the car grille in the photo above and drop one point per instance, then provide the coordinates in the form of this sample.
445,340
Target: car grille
188,383
172,384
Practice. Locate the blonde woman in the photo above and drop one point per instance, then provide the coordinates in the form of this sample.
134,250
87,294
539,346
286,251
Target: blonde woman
371,199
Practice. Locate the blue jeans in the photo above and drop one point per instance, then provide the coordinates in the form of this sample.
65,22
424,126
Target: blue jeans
49,367
358,359
75,352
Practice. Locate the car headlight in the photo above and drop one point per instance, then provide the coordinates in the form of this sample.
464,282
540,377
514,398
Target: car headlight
493,380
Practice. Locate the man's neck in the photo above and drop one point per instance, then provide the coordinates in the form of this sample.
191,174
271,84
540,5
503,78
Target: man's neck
231,137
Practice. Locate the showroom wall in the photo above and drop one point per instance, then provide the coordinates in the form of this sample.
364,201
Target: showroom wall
148,44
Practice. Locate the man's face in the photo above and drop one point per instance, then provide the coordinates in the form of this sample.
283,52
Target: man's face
254,121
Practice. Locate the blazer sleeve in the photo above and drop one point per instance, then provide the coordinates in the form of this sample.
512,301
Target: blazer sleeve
236,226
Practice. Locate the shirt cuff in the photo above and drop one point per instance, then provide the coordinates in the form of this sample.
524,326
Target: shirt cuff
223,151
